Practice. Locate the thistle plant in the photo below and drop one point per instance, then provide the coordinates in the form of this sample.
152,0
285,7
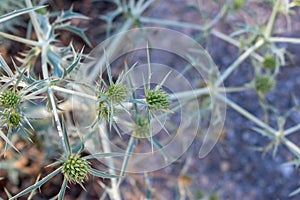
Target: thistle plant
28,98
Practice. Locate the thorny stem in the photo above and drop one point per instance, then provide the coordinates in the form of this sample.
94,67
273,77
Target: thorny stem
285,39
199,28
19,39
113,192
34,20
56,118
67,91
276,134
38,31
101,63
238,61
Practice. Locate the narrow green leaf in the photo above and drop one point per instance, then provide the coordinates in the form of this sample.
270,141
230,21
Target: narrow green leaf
38,184
77,31
75,63
69,14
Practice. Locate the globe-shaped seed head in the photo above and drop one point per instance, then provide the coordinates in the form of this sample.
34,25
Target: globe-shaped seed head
141,128
269,62
117,93
103,111
9,99
157,99
264,84
238,4
14,119
75,169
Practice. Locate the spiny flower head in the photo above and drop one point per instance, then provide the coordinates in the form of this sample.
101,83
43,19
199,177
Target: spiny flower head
157,99
238,4
117,93
75,169
9,99
264,84
103,111
269,62
141,128
14,119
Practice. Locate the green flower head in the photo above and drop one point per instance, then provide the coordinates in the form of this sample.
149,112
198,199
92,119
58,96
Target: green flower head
9,99
104,111
264,84
157,99
14,119
117,93
269,62
238,4
141,128
75,169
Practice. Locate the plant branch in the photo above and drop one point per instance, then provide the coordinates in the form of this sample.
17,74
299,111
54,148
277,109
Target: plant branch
114,192
285,40
238,61
67,91
34,20
56,119
19,39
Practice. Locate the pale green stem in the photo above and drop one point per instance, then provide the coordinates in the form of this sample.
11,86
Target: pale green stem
172,23
102,61
215,20
44,62
248,115
113,192
285,40
56,118
292,130
128,154
34,21
272,19
290,145
200,28
189,94
68,91
234,42
233,89
21,40
239,60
